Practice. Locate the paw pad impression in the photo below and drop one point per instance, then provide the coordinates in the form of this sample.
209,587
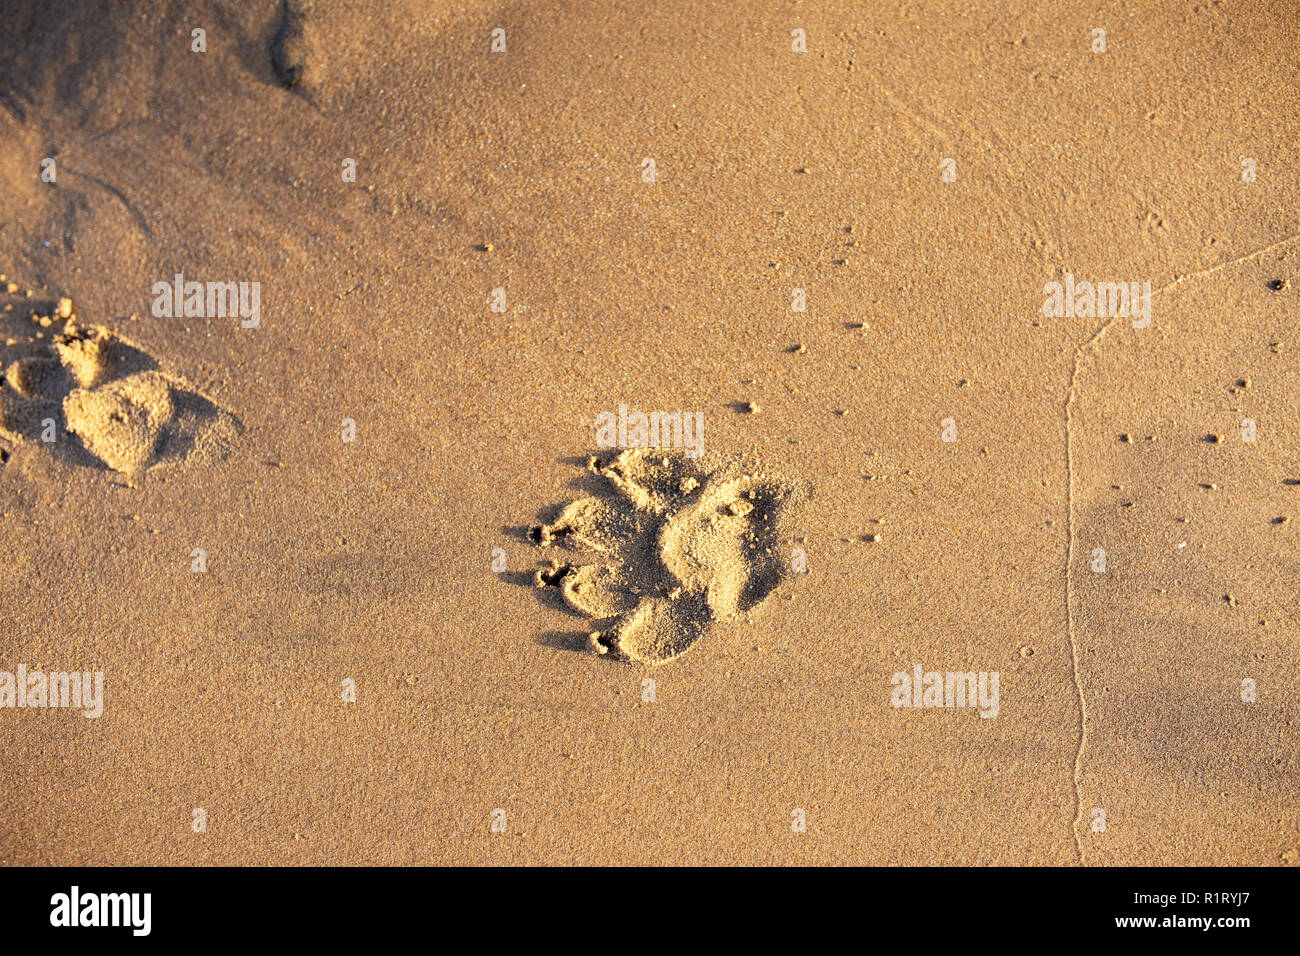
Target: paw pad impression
682,543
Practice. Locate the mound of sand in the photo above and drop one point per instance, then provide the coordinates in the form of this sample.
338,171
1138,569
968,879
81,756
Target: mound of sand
686,542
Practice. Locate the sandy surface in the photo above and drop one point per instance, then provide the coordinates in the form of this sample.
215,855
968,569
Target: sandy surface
372,560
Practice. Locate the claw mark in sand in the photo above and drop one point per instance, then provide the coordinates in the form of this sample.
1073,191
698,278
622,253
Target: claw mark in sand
684,542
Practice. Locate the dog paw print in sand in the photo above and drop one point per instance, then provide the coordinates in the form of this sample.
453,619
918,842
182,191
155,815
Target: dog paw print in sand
110,398
680,543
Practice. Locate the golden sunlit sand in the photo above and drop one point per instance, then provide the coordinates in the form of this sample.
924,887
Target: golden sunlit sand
301,536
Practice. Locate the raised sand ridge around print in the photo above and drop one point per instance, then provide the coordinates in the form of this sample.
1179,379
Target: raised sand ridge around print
682,543
123,410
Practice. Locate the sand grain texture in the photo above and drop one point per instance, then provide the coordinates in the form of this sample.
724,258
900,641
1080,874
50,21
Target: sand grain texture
400,561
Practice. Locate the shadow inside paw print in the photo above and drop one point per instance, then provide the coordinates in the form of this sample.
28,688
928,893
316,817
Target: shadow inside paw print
109,396
681,543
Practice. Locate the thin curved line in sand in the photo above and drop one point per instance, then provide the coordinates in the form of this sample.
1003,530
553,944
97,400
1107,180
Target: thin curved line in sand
1070,536
119,196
